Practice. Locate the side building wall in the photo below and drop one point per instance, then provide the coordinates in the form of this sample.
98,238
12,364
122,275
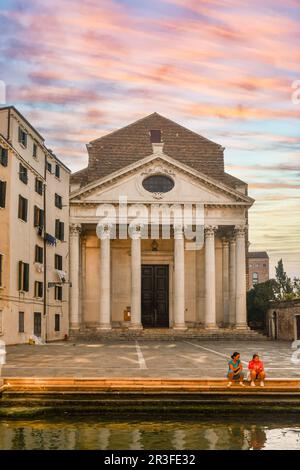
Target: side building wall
28,306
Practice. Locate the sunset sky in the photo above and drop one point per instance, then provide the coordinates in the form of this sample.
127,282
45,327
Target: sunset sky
78,69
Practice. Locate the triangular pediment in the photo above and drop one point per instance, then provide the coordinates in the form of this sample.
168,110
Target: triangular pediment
189,185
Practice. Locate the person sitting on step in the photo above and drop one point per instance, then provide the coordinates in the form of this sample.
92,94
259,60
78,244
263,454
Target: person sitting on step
256,368
235,370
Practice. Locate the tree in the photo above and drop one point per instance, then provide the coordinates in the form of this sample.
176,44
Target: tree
296,287
258,299
284,289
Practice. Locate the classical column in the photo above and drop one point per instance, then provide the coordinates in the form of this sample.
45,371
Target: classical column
136,279
83,278
225,280
104,319
240,293
210,278
75,230
179,300
232,280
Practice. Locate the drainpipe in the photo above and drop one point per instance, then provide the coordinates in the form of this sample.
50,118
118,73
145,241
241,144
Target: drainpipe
45,251
8,125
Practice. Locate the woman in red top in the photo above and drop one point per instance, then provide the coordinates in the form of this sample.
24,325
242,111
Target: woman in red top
256,368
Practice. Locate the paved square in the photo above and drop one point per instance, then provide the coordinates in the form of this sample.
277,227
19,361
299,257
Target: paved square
179,359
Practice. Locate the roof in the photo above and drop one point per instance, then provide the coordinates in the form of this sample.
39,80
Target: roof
12,108
130,144
258,254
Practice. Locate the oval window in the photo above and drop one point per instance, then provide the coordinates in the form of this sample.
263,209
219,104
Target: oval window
158,184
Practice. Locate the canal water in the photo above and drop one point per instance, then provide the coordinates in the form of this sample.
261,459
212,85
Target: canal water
201,433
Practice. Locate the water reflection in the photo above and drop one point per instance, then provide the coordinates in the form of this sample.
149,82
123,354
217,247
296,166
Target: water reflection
86,433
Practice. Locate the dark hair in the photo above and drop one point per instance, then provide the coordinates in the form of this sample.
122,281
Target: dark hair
235,354
255,355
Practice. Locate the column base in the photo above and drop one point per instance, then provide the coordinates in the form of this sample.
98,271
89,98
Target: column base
135,326
74,328
179,327
211,326
104,327
241,326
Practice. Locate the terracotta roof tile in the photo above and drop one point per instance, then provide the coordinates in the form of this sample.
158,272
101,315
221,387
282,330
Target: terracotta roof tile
132,143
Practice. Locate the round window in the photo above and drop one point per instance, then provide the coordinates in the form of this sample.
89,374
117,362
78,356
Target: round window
158,184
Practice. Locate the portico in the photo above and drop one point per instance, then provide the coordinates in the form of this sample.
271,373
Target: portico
132,269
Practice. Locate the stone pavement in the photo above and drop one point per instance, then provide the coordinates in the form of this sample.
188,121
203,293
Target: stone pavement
138,358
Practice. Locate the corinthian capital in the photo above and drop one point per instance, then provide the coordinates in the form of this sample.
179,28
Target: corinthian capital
210,230
75,229
178,231
240,230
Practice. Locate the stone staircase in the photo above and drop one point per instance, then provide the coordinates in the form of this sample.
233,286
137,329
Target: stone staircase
28,397
167,334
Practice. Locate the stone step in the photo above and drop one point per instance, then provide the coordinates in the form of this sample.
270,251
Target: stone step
168,334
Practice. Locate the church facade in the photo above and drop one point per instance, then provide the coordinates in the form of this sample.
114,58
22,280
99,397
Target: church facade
158,232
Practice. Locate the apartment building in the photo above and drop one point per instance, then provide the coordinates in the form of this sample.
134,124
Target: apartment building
34,224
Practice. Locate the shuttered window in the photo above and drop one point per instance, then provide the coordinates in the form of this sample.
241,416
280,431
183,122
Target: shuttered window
1,270
57,322
23,276
59,230
23,174
3,156
38,289
57,171
38,186
39,254
23,208
58,262
38,219
21,322
58,292
22,137
58,201
2,193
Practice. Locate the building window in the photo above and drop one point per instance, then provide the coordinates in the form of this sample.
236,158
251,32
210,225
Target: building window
34,150
21,322
23,208
58,262
37,324
3,156
22,137
254,278
58,201
49,167
1,322
1,269
158,184
57,171
155,136
59,230
23,276
38,289
57,322
23,174
38,219
264,265
39,254
38,186
58,292
2,193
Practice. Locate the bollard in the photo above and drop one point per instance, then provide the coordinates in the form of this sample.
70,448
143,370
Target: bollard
2,355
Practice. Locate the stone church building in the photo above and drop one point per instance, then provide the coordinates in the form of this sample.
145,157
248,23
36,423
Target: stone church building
125,271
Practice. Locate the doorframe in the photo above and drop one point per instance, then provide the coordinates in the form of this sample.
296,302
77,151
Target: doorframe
160,257
295,326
